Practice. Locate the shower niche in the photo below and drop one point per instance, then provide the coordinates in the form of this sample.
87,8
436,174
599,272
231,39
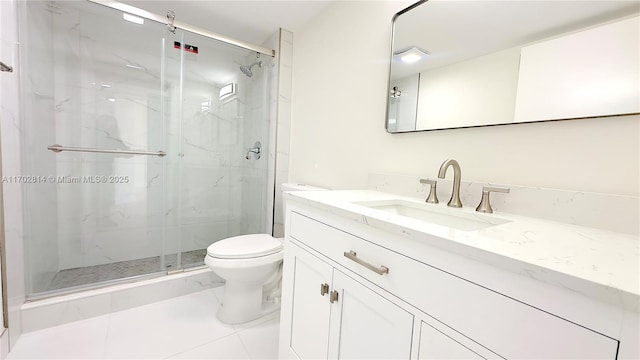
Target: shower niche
118,91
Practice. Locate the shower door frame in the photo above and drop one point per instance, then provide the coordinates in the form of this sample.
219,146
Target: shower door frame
172,24
56,148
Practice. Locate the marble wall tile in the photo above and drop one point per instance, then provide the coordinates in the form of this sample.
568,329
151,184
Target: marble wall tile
285,69
254,171
102,211
197,236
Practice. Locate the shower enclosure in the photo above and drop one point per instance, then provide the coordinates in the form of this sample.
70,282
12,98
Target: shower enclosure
136,139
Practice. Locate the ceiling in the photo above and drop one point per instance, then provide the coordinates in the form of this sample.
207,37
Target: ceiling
250,21
454,31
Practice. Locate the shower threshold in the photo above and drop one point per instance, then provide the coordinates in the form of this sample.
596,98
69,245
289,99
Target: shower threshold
87,301
90,275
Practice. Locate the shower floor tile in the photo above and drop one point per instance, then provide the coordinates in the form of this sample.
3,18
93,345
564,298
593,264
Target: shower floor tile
181,328
123,269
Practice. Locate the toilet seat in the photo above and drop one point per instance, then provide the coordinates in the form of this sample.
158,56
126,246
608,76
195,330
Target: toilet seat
244,247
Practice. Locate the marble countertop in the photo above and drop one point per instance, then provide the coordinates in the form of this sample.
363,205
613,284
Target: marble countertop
598,263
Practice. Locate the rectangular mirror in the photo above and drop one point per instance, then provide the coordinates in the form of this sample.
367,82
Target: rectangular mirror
458,64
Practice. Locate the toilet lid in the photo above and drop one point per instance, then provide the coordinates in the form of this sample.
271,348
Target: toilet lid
244,247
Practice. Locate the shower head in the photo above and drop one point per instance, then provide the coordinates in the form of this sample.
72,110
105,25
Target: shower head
246,69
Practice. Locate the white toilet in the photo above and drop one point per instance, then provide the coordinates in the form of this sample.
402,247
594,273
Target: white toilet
251,265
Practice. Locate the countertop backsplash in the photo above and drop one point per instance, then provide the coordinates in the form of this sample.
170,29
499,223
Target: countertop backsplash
602,211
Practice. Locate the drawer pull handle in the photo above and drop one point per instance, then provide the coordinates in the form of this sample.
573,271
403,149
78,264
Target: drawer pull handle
381,270
324,289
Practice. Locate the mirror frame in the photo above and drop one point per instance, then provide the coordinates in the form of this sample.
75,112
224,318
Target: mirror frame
393,33
389,80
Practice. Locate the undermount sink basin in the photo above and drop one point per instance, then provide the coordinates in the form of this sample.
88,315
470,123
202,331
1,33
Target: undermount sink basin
435,214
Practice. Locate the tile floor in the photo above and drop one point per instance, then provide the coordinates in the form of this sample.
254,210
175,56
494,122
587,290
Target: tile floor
181,328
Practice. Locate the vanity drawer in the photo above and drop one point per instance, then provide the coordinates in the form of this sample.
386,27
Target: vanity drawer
508,327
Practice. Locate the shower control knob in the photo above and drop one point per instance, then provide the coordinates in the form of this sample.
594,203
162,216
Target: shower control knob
256,150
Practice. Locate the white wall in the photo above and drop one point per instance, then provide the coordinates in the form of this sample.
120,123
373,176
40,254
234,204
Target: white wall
339,97
477,91
556,77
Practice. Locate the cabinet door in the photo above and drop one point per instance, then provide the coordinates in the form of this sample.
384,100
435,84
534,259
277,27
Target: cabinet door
364,325
436,345
311,310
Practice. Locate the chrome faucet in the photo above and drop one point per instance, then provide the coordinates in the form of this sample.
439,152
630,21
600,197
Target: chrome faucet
455,196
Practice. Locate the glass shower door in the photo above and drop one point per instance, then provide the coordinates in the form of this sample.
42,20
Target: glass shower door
95,92
217,114
104,94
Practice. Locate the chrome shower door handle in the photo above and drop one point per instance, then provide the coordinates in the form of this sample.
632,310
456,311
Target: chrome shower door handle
380,270
56,148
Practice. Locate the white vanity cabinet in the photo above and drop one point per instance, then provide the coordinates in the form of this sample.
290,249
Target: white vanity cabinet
334,316
434,344
414,311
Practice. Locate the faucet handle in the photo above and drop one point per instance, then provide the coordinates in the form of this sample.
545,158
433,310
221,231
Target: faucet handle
485,205
433,197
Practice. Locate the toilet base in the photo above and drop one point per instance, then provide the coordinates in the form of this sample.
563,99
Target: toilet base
242,302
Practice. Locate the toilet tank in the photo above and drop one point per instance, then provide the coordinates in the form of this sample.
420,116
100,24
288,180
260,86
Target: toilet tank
278,226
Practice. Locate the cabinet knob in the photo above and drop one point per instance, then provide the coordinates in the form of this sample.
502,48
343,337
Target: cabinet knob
324,289
333,297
